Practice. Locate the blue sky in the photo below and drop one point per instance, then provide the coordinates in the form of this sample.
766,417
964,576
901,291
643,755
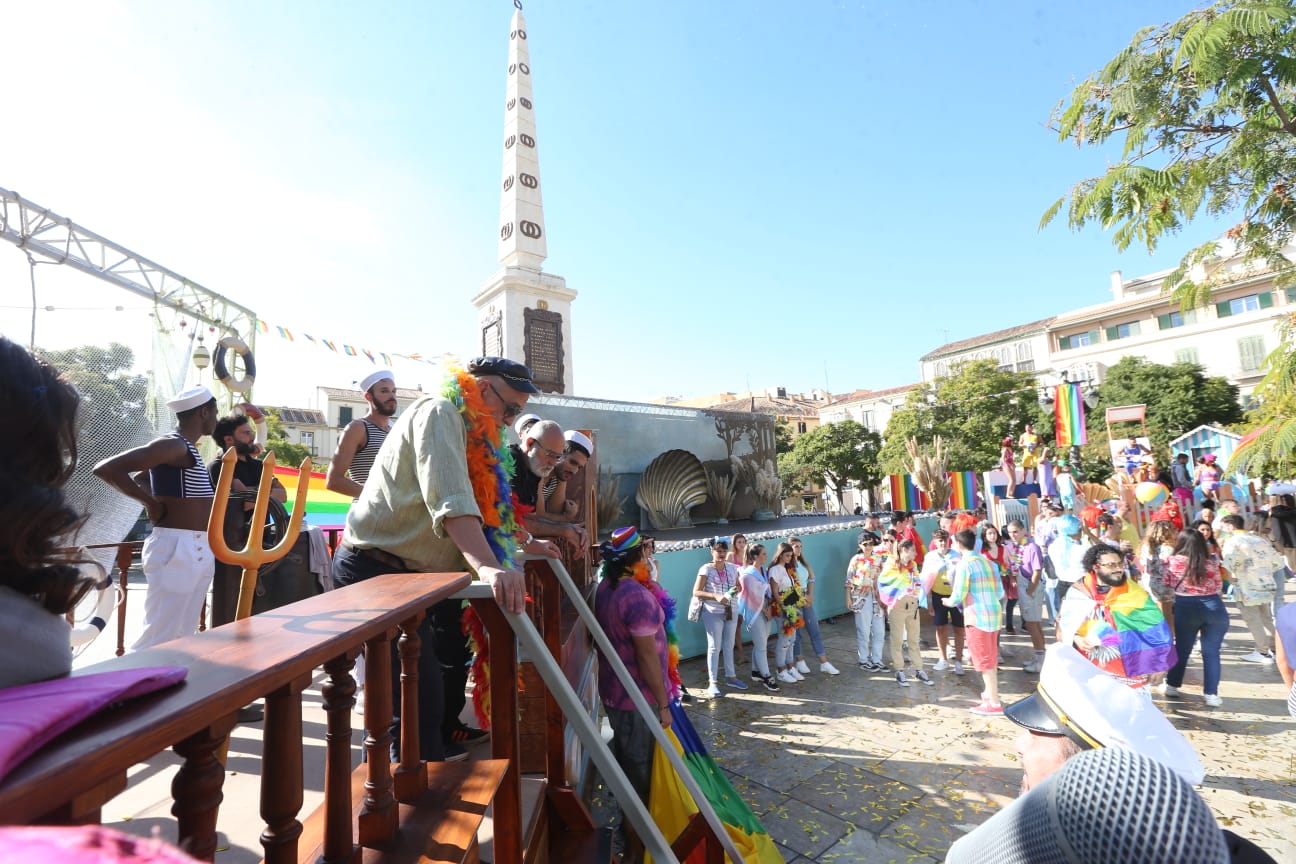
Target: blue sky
764,193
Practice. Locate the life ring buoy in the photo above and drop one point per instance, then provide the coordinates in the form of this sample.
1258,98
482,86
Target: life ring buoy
87,630
221,370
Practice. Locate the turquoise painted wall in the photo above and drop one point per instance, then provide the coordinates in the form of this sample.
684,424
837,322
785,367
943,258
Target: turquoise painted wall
828,553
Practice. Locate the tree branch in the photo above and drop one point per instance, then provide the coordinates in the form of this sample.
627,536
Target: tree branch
1287,125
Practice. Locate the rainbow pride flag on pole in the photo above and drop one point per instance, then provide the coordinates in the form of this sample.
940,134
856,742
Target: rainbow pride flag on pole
1069,416
672,807
905,495
964,486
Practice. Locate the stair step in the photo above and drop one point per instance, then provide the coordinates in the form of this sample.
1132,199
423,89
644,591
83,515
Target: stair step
439,828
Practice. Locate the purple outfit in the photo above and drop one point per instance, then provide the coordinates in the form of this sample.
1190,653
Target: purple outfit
625,609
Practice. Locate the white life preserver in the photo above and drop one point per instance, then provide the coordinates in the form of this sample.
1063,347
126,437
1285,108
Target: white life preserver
221,370
86,631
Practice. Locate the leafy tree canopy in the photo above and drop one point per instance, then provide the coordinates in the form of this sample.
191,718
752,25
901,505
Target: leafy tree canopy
782,436
286,452
834,454
1205,108
973,410
1179,398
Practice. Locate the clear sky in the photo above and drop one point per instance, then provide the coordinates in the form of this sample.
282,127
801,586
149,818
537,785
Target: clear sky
768,193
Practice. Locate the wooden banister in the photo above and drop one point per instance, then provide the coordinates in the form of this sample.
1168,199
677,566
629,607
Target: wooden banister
272,655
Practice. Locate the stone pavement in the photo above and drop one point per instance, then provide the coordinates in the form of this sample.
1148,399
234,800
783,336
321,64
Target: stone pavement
856,768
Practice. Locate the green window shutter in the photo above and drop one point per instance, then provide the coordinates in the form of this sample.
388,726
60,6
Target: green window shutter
1291,295
1266,299
1222,309
1112,334
344,415
1163,322
1251,352
1093,337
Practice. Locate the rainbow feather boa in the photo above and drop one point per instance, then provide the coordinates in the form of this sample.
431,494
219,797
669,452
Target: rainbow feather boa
489,466
643,576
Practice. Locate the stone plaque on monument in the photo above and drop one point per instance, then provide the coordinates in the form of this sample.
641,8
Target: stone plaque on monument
493,336
542,347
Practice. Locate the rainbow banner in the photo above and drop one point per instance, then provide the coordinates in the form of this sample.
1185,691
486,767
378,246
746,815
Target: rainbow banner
964,490
1069,416
324,509
671,805
905,495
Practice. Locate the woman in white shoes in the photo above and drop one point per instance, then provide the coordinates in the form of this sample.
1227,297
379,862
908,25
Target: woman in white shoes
788,600
810,616
754,607
717,588
1194,576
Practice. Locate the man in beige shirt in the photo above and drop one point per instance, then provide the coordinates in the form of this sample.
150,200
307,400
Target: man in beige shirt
417,513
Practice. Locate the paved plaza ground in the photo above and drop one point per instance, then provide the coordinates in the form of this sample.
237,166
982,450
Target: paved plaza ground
846,768
854,767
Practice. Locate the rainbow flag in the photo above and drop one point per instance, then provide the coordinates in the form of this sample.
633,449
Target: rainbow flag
964,486
671,805
905,495
323,508
1069,416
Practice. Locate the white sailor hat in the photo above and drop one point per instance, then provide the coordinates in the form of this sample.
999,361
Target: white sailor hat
523,423
374,377
194,397
579,439
1094,709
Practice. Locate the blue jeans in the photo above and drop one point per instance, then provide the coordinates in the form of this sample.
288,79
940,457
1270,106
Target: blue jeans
811,627
1207,617
720,642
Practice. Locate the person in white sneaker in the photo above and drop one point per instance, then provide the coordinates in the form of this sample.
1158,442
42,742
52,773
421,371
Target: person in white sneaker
1199,611
1252,562
979,590
717,588
1025,561
811,619
901,591
787,612
863,603
936,571
754,607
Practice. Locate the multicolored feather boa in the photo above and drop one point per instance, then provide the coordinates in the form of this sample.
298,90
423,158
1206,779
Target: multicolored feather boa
489,466
643,576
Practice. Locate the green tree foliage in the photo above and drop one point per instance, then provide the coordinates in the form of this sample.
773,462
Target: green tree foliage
794,474
1205,108
782,436
1274,450
834,454
1179,398
286,452
112,415
973,410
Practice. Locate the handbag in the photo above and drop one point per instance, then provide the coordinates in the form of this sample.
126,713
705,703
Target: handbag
695,609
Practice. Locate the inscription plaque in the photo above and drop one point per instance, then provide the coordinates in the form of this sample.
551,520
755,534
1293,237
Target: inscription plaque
493,336
542,348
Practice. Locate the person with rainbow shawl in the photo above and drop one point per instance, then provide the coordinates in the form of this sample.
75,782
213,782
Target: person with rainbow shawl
1109,618
900,588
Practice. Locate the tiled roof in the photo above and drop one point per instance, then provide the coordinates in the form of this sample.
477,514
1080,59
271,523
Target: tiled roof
302,416
988,338
768,405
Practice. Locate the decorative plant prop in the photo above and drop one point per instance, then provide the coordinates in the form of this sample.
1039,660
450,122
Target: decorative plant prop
930,473
768,488
608,503
723,489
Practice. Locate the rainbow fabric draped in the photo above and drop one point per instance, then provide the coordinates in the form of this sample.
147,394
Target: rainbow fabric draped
964,489
671,805
1069,416
1141,644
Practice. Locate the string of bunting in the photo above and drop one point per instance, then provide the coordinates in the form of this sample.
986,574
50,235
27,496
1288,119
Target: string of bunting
348,350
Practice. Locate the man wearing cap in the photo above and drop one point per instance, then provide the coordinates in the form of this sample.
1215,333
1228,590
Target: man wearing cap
418,513
554,503
168,477
358,447
1114,621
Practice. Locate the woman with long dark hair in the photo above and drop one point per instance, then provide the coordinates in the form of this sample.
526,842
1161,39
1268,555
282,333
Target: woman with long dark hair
992,547
39,582
1194,576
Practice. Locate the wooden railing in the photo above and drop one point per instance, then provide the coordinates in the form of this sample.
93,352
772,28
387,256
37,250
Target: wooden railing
272,655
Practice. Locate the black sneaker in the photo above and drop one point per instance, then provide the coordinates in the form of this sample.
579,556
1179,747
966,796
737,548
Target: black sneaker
769,683
901,680
756,676
867,667
925,678
454,753
685,698
463,734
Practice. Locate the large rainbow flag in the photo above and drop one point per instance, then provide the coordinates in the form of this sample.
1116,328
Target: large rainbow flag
964,490
671,805
905,495
1069,416
324,509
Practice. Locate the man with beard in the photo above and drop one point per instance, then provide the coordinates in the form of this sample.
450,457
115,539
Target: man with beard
359,444
554,505
534,461
235,431
1111,619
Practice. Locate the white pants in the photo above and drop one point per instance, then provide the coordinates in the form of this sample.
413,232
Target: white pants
178,566
760,628
870,631
720,640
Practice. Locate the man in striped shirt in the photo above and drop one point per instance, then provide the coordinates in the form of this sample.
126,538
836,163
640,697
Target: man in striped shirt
979,590
362,439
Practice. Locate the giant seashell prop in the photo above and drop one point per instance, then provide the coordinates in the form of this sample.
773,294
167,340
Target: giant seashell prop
672,485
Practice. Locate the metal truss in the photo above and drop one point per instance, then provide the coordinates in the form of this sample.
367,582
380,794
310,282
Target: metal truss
39,231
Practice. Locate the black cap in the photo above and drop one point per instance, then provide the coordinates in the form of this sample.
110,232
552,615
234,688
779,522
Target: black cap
514,374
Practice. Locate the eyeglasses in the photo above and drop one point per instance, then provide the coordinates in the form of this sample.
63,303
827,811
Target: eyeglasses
1112,565
512,411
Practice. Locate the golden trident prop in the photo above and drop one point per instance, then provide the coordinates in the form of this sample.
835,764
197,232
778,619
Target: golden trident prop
252,556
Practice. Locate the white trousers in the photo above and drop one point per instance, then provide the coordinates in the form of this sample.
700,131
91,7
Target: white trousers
178,566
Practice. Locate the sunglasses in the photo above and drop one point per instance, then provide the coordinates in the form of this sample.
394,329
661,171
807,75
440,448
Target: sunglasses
511,409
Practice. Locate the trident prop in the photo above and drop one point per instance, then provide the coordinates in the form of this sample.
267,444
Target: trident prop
252,556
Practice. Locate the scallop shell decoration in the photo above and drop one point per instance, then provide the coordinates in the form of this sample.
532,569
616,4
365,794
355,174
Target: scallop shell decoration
672,485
